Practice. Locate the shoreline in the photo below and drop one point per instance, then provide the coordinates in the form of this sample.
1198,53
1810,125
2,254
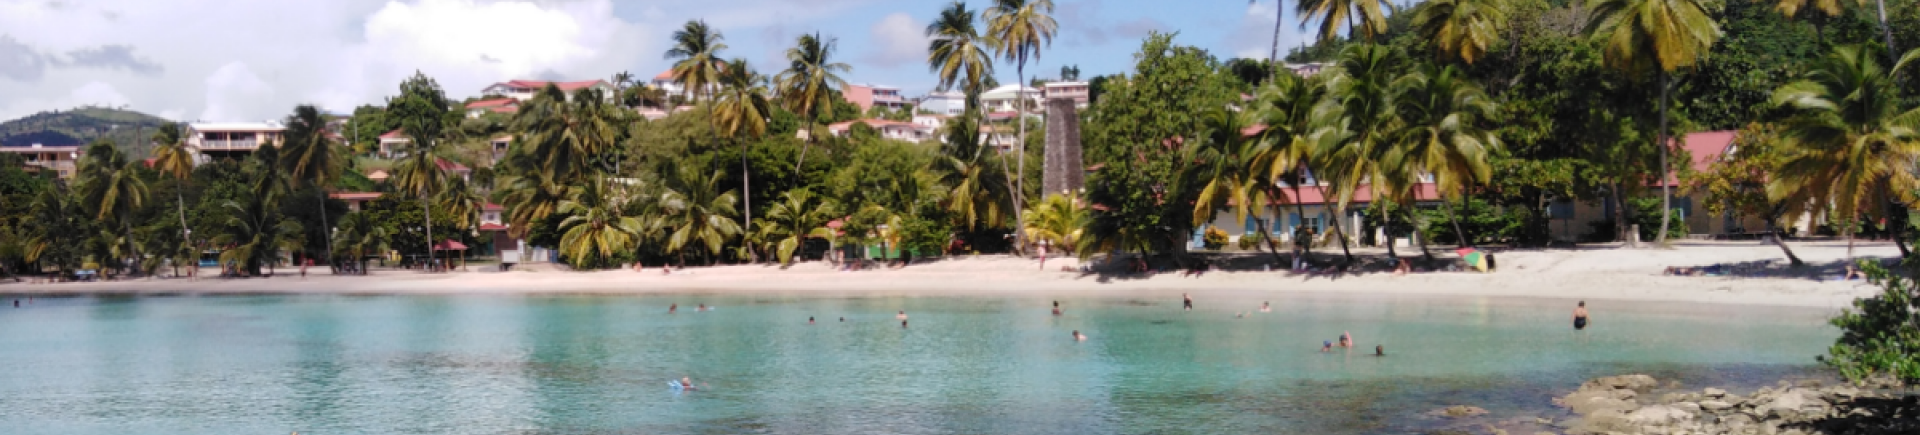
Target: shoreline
1587,273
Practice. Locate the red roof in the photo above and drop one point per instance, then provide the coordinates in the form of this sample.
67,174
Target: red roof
1706,147
497,102
450,245
492,227
564,86
449,165
149,162
492,207
664,75
396,134
354,196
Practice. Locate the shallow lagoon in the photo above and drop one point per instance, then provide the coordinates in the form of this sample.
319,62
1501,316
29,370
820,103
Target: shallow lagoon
330,364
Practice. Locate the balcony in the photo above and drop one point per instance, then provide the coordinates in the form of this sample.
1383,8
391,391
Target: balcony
240,144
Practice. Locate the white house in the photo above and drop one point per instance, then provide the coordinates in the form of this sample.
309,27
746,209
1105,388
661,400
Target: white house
1002,99
505,106
393,144
950,103
523,90
1079,92
231,139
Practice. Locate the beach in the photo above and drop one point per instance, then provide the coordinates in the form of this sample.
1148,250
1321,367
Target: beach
1600,272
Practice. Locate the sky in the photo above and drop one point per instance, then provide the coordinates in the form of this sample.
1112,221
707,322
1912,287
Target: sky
254,60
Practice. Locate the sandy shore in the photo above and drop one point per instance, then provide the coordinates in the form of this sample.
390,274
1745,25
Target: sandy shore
1588,272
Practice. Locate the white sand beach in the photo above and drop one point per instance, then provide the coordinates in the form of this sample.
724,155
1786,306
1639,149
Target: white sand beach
1601,272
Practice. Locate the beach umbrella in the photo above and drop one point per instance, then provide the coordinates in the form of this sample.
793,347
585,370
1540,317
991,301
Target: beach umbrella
1476,258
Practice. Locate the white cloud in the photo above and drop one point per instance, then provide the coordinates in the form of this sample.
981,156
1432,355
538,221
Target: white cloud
897,40
255,60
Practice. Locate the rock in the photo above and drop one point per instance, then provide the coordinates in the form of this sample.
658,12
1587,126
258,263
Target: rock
1605,421
1544,433
1658,415
1544,421
1808,383
1672,397
1794,403
1689,407
1458,411
1715,393
1622,382
1715,405
1588,403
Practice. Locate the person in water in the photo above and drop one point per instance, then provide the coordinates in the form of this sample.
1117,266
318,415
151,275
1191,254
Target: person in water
1266,307
1326,346
1077,336
1379,350
1346,339
672,308
1580,316
903,323
1056,308
1186,301
843,320
702,307
809,320
686,383
901,316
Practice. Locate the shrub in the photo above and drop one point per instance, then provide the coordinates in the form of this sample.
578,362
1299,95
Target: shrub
1880,336
1214,239
1249,242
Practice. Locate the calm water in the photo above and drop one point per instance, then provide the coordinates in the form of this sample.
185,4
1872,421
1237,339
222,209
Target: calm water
589,365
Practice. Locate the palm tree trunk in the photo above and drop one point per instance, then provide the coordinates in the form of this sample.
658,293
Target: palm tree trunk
1666,189
1897,226
1780,238
326,230
1265,235
1302,208
803,148
1273,59
746,196
1893,55
1624,231
1424,252
426,206
1387,218
186,235
1020,151
1345,251
1458,232
131,247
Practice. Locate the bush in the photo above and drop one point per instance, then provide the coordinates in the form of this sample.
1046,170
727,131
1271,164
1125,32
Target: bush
1485,222
1249,242
1880,336
1214,239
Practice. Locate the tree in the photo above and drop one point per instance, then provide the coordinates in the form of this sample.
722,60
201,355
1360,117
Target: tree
1229,167
1372,16
422,109
597,227
461,203
698,213
1816,11
1738,183
1879,335
1850,136
1362,90
1022,28
621,81
255,232
172,158
696,55
1461,28
1442,117
1663,35
807,85
1295,116
360,236
111,190
798,216
310,159
1058,220
563,137
743,112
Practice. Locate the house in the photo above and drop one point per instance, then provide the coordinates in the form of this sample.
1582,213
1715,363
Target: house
1005,98
1311,211
896,130
454,169
1573,219
523,90
37,157
356,201
1306,69
393,144
505,106
1079,92
868,96
235,140
664,81
950,103
500,146
931,122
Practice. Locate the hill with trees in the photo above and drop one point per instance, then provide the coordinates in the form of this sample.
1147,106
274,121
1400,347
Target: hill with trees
80,126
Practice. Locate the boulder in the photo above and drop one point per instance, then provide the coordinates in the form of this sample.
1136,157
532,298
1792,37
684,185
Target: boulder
1458,411
1622,382
1794,403
1715,393
1587,403
1658,415
1715,405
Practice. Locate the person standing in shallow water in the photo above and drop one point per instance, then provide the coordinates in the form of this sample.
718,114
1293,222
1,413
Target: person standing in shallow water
1056,308
1186,301
1580,316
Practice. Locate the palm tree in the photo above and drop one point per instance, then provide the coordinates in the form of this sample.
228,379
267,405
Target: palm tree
172,158
254,234
311,159
360,236
697,212
529,200
979,192
1440,135
1229,168
597,227
1853,144
621,81
743,111
1372,16
460,201
1461,28
1296,116
562,137
696,52
1362,90
1057,220
1021,27
806,86
798,216
111,189
420,176
959,55
1663,35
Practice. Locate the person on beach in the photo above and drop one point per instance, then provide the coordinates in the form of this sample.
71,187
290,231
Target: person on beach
672,308
1580,316
843,320
1266,307
1853,273
1186,301
1403,268
1056,308
1077,336
303,268
1346,339
901,316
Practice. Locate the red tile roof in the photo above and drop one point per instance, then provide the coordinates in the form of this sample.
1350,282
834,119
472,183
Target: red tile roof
664,75
497,102
449,165
492,207
492,227
354,196
396,134
1706,147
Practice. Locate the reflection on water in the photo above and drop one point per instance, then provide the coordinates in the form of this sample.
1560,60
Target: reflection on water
509,365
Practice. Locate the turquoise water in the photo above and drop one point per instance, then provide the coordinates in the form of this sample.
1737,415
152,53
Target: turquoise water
323,364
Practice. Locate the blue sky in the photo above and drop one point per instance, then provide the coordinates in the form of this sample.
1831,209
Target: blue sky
265,56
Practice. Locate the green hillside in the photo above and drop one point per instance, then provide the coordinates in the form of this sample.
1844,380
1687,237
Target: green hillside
126,128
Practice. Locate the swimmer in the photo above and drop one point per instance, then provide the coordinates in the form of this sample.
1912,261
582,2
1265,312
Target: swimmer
1346,339
901,316
1580,316
809,320
903,323
686,383
703,307
1056,308
672,308
1077,336
1379,350
1265,307
1187,301
1326,346
843,320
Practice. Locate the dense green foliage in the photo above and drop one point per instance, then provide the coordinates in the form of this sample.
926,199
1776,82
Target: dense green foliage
1880,336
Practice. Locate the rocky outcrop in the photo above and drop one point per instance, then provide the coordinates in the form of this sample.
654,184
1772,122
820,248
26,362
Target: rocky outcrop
1624,405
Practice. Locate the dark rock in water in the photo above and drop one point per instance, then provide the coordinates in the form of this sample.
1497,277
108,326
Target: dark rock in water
1458,411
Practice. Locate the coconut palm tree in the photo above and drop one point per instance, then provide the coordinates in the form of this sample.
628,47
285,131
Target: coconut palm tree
979,194
111,189
460,201
529,200
1362,90
1230,176
1022,28
1057,220
420,175
1661,35
360,236
562,137
960,56
1440,135
697,212
743,112
597,226
696,55
621,81
1334,14
172,158
798,216
1295,115
1462,29
310,159
1853,143
255,233
806,86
